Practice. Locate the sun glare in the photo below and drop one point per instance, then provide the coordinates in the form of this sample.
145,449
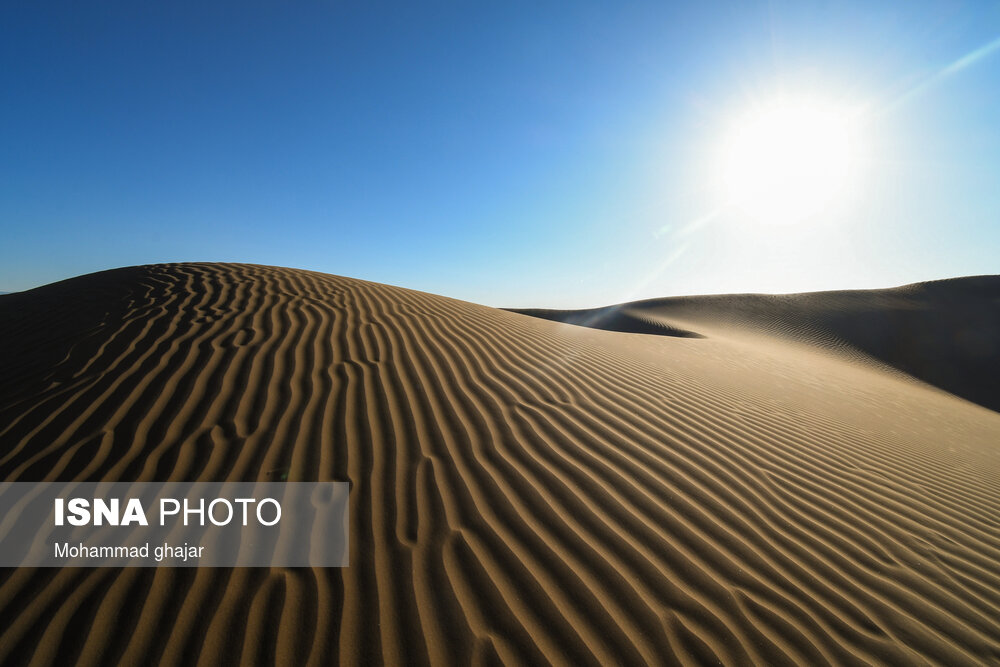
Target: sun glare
788,161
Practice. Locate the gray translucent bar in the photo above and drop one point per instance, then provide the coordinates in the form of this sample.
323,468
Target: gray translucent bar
311,530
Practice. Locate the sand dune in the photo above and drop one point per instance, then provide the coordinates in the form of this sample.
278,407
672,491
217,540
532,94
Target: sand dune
945,333
524,491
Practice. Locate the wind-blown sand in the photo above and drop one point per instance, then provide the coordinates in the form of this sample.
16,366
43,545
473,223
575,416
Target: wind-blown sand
746,490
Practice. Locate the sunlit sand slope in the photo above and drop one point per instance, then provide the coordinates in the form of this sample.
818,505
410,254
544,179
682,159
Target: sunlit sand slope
524,491
945,332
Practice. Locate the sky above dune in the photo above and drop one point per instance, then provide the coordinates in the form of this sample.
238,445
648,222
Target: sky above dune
510,154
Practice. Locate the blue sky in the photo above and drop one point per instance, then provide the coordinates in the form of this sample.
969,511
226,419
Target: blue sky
505,153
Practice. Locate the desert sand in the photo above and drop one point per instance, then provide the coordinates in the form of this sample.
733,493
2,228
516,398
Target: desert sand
802,480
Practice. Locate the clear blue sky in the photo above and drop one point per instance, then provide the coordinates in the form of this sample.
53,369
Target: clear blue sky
549,154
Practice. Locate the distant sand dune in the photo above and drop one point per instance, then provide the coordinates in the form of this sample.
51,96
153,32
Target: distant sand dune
524,491
945,332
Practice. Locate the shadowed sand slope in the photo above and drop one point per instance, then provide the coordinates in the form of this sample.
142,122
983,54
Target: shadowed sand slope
524,491
946,332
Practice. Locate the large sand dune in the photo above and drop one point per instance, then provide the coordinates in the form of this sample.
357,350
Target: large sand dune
524,491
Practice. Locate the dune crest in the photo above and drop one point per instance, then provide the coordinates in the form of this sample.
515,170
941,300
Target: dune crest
523,491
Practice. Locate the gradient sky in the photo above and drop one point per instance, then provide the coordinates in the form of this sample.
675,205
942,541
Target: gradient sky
512,154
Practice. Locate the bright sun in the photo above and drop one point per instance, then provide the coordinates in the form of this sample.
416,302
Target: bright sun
788,161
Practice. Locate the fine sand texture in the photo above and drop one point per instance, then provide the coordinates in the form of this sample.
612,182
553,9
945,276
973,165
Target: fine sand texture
773,482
